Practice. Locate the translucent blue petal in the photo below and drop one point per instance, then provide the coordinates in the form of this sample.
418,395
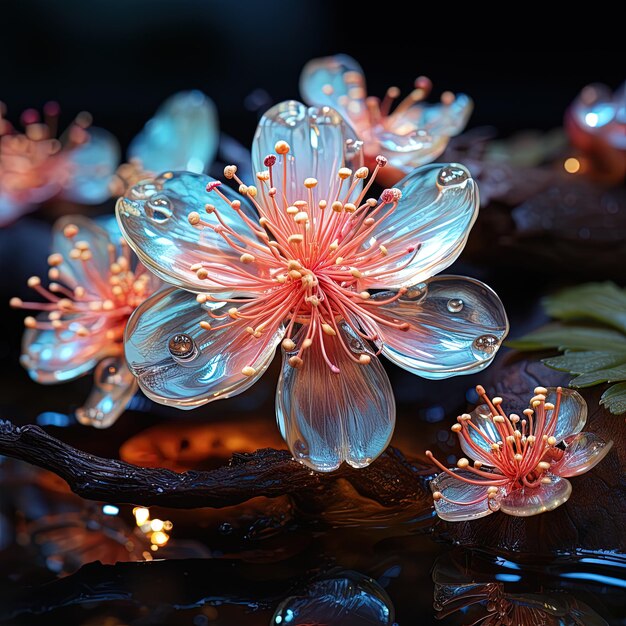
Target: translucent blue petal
460,491
74,272
408,151
52,356
182,135
572,412
10,209
110,225
328,418
348,599
321,142
526,502
421,134
114,386
483,437
583,452
456,326
153,216
440,119
213,369
438,207
323,83
94,163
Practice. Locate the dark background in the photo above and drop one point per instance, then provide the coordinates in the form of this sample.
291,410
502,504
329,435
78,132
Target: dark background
120,58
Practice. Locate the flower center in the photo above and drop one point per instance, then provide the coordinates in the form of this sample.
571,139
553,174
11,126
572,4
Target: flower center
101,300
306,257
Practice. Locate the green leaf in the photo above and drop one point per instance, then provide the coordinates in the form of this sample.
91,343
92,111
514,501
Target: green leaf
566,337
602,302
614,399
610,375
584,362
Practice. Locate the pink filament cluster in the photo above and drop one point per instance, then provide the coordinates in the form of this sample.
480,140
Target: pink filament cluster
380,113
307,258
519,458
103,303
36,158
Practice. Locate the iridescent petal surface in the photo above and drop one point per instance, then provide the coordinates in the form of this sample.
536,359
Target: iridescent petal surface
438,207
182,135
92,166
153,215
572,412
114,386
456,326
321,142
460,491
583,451
214,369
526,502
328,80
328,418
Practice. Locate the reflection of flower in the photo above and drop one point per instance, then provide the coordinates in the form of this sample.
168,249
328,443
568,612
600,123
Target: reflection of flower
345,598
94,290
465,591
520,464
35,165
413,134
293,261
596,124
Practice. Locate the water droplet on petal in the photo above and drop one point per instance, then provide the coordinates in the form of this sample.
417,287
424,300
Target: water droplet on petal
182,347
158,209
452,174
486,343
455,305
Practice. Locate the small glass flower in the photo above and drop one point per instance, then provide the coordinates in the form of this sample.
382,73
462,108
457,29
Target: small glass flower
520,464
36,166
596,124
306,260
411,134
93,290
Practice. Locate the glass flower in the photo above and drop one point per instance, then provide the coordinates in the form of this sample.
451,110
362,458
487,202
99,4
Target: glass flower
305,260
36,166
520,464
80,326
412,134
596,124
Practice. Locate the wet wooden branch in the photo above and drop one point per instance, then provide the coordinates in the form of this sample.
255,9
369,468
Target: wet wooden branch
390,480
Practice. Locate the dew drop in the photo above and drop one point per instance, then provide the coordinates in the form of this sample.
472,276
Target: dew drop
158,209
486,343
455,305
452,174
182,347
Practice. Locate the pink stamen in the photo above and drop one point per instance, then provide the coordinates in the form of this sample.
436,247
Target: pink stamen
306,258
